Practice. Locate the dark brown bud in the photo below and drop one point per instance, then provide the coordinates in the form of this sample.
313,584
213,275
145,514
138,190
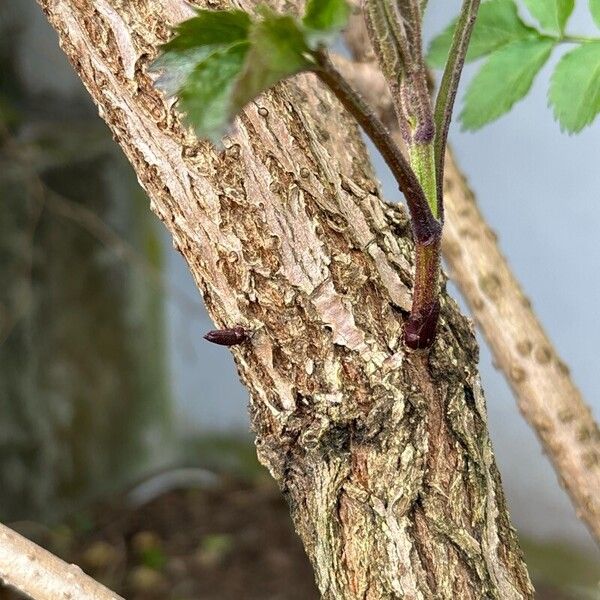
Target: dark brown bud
419,331
228,337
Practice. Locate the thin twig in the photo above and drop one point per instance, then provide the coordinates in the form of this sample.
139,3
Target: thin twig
425,226
444,103
394,27
420,328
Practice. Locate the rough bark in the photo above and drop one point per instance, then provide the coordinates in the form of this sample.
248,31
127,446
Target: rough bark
545,392
384,456
41,575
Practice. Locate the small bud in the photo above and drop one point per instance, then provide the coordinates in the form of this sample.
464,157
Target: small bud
419,331
228,337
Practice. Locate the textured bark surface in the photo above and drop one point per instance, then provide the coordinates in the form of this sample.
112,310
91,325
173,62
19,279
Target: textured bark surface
384,456
546,394
42,576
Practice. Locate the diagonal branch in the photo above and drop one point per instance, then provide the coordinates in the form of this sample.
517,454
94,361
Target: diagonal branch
42,576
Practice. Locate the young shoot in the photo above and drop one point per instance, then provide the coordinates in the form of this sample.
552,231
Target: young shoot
219,60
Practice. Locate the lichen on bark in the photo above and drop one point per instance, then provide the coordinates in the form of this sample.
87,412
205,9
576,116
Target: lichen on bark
383,455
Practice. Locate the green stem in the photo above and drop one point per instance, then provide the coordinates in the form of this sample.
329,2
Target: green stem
419,331
419,190
394,27
422,160
425,225
576,39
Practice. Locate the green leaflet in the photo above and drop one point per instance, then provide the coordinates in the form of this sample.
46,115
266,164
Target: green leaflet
503,80
324,19
552,15
194,40
278,50
219,60
206,96
595,10
210,28
498,24
575,87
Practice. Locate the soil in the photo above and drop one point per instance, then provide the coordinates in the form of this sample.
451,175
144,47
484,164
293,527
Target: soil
224,541
228,542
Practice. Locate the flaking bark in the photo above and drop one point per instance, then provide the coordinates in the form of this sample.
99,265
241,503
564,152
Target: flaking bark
384,456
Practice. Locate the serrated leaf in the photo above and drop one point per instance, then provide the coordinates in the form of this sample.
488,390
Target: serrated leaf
278,50
552,15
206,97
194,40
498,24
575,87
219,60
210,28
504,79
595,10
324,19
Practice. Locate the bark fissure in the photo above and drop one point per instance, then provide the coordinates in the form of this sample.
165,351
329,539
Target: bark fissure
391,483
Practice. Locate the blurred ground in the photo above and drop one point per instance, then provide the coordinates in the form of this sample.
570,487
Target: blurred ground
226,534
231,542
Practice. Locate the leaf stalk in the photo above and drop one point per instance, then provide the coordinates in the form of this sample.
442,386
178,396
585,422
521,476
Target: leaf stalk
444,103
420,328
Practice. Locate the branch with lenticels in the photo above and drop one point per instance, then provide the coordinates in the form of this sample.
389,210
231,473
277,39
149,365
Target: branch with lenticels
545,392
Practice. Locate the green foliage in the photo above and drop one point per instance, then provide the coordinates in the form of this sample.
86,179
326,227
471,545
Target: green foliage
324,20
206,96
153,558
498,24
220,60
516,52
595,10
195,40
575,87
552,15
504,79
278,49
210,29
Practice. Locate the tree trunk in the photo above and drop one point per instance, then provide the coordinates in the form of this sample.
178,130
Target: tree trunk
383,455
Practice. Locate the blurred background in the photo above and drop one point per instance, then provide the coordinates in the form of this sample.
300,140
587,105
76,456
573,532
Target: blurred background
124,441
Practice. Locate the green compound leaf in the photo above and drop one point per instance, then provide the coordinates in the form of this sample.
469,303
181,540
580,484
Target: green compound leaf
575,88
503,80
278,49
498,24
552,15
324,19
595,10
220,60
